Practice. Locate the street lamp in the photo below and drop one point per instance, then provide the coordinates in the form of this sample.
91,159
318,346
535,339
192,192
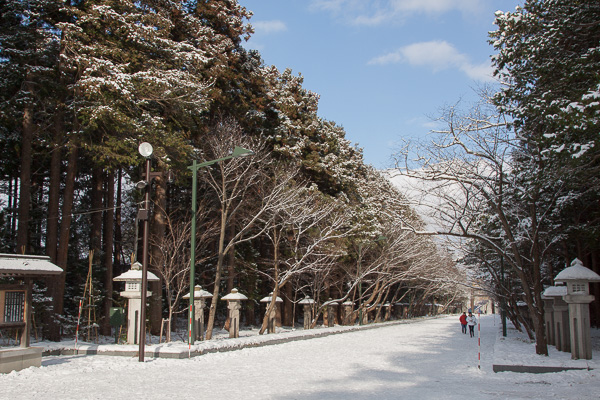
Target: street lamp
237,152
145,150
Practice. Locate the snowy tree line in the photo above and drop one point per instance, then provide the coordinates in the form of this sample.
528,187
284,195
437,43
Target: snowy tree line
518,173
83,83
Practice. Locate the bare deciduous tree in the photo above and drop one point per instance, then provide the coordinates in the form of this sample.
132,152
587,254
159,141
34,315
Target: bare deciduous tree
242,195
303,227
172,257
481,191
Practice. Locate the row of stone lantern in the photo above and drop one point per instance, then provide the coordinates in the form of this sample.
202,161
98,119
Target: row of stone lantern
132,292
567,311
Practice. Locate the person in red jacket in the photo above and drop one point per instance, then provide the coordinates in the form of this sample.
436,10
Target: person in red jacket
463,322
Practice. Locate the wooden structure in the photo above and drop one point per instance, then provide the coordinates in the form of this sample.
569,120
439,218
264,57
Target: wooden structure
15,305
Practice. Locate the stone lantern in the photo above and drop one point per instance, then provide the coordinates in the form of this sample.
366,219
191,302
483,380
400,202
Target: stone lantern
133,292
549,317
234,300
348,308
378,308
388,311
331,306
556,312
200,296
365,314
577,278
307,304
272,317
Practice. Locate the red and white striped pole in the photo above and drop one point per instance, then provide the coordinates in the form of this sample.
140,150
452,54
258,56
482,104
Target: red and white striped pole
190,332
479,339
77,330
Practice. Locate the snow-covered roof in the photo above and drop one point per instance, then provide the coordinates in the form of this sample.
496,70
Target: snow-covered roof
234,295
577,272
268,299
27,265
348,303
199,293
555,291
306,300
135,274
331,303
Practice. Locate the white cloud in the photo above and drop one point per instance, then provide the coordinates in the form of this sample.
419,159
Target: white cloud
432,6
437,55
377,12
267,27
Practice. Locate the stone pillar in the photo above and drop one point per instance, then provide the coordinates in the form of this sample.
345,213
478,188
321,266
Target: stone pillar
331,312
549,319
307,304
234,317
558,332
307,316
378,311
562,330
348,308
579,321
365,314
134,307
388,311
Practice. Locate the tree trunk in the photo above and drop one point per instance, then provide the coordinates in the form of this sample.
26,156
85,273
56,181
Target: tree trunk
54,189
213,304
118,238
288,305
230,270
25,178
158,227
58,288
97,197
108,252
541,343
273,302
231,262
595,291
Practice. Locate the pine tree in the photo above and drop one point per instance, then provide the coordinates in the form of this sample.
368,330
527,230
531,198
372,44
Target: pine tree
549,59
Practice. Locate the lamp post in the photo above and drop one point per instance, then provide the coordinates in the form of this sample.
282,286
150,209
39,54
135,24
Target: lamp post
237,152
145,150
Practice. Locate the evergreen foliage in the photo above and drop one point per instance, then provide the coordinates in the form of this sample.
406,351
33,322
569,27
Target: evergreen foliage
82,83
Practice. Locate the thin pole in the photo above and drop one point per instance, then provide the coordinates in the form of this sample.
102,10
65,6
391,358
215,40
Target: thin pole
192,317
479,340
190,334
77,330
360,304
142,341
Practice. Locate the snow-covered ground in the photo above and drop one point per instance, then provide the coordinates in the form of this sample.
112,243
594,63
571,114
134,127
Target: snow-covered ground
420,359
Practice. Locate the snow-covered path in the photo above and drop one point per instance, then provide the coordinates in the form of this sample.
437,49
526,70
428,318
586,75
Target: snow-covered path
427,359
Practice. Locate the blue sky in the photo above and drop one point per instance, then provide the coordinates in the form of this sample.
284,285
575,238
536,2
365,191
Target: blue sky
384,68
